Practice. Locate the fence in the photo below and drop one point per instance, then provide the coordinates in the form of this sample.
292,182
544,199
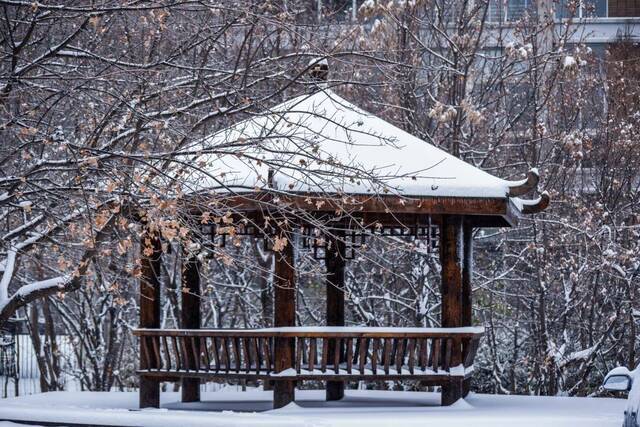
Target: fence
28,378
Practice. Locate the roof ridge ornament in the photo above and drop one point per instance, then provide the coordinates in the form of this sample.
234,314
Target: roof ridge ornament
319,71
524,186
536,205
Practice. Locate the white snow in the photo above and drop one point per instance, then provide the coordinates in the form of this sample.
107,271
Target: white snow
54,282
521,203
459,370
321,61
321,143
23,291
568,61
359,408
522,52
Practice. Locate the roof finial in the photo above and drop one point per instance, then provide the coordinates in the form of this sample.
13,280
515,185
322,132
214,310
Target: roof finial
319,71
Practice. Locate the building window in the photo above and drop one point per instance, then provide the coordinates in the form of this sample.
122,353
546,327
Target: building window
509,10
597,8
624,8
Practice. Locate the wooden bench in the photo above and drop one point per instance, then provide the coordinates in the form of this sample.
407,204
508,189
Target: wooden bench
320,353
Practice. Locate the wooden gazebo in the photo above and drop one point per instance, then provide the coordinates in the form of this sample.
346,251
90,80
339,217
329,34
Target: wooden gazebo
389,182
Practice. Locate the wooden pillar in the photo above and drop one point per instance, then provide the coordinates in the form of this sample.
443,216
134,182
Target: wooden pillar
150,252
335,263
451,260
467,275
190,319
284,314
467,284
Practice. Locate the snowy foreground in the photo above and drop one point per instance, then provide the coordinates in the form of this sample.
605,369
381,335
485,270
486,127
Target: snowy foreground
359,408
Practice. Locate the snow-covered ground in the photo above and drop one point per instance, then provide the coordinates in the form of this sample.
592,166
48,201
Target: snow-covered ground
366,408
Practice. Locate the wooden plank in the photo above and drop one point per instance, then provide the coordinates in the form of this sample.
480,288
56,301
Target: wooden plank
357,351
495,212
257,346
367,343
336,355
146,356
424,343
312,354
196,353
362,358
349,354
156,353
439,379
410,354
472,349
267,356
216,353
446,360
325,354
394,351
435,354
186,359
224,350
387,355
374,355
167,353
399,355
176,352
299,357
247,353
306,333
303,342
237,356
205,350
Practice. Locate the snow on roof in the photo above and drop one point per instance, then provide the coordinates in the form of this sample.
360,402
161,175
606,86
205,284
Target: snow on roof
321,143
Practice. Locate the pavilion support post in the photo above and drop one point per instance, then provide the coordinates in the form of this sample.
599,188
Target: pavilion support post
451,260
467,284
284,314
150,252
190,319
335,263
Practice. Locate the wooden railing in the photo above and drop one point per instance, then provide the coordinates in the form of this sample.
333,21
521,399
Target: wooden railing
318,352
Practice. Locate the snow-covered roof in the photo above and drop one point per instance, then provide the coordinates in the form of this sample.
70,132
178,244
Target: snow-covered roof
321,143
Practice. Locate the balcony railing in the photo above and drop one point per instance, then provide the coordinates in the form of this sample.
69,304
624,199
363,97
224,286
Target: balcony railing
512,10
318,352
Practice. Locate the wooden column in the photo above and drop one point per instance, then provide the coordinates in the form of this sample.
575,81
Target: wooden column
467,283
335,264
190,319
451,260
284,314
150,251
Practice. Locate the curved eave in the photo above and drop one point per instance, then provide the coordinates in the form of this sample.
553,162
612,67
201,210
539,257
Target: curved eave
535,206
